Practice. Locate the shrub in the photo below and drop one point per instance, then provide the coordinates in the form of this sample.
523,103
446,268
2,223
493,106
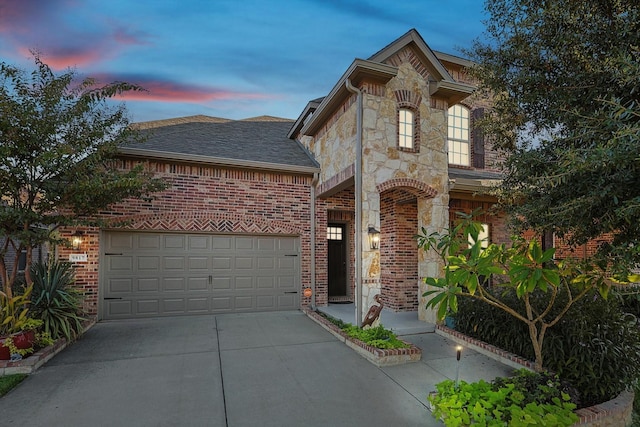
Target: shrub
595,347
526,399
14,313
378,336
55,301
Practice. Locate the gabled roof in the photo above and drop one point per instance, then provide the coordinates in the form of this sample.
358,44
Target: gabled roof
256,143
376,68
424,52
358,71
442,85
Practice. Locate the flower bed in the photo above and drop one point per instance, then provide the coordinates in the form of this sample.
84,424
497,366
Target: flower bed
377,356
30,364
616,412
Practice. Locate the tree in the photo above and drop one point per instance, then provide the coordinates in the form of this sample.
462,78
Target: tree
565,75
547,289
59,142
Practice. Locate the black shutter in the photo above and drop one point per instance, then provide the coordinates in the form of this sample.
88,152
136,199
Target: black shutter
478,139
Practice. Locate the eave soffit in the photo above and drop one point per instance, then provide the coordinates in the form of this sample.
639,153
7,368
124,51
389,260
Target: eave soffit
359,71
442,84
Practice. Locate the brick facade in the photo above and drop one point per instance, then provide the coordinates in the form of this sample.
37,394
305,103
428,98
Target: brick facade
208,199
398,251
402,189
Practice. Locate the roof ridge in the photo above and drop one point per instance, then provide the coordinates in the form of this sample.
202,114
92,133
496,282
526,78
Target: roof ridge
199,118
266,118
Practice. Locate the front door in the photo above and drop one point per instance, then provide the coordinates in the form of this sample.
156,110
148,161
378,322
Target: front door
337,260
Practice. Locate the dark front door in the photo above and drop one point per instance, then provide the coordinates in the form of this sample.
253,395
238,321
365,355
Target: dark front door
337,259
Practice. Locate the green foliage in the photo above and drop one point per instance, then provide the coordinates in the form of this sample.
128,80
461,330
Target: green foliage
55,301
8,382
544,289
595,346
526,399
59,141
567,112
14,313
376,336
338,322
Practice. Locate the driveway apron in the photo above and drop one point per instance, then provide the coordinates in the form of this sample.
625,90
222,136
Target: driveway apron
262,369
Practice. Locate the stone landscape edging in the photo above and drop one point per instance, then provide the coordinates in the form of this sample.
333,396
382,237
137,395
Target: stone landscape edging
378,356
616,412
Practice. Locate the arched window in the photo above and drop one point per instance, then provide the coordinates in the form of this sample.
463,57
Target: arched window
458,136
406,129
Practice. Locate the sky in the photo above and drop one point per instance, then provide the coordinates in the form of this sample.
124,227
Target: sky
224,58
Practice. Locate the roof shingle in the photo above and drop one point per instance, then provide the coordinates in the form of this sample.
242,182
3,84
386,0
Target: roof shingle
258,139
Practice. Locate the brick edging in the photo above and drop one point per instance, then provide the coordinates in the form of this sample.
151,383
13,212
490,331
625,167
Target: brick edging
377,356
491,351
30,364
617,411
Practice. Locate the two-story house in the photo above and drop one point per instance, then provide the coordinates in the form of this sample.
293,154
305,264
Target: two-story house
274,214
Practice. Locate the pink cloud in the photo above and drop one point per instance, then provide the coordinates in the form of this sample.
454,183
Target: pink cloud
44,26
168,91
62,58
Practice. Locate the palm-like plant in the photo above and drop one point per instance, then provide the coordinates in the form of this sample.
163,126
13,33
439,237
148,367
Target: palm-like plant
55,300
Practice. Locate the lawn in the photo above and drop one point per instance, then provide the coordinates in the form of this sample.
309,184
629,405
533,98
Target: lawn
8,382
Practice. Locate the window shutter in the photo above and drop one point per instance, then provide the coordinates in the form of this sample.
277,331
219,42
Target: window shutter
478,139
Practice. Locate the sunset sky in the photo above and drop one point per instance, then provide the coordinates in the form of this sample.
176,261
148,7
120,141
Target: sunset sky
224,58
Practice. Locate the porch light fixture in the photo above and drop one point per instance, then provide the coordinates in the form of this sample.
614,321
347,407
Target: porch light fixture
76,239
374,238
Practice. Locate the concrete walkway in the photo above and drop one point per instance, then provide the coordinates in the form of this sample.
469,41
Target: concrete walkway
266,369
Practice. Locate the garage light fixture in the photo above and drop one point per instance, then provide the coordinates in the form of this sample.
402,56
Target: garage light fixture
76,239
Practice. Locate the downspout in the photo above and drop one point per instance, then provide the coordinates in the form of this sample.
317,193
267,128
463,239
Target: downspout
358,203
312,237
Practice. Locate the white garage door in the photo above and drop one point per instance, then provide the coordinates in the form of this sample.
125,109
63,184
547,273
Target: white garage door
167,274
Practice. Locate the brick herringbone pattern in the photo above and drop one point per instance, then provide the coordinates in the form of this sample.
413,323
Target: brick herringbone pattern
209,222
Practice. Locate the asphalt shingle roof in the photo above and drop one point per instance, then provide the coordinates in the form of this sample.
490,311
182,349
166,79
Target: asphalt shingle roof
259,139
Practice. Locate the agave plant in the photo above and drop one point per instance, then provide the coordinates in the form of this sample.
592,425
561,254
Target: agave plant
55,300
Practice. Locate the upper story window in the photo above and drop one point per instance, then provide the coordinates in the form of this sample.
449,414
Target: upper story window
458,136
406,128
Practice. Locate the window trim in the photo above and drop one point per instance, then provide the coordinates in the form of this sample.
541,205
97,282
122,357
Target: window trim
406,121
461,141
415,122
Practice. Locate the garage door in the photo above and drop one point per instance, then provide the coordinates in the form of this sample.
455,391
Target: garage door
165,274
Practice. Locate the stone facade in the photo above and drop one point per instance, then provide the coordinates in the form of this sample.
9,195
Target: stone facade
403,189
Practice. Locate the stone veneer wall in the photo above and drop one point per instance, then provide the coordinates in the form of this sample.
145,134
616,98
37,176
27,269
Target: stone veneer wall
207,199
334,148
384,161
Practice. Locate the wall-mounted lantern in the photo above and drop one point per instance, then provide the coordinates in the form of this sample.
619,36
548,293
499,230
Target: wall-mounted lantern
76,239
374,238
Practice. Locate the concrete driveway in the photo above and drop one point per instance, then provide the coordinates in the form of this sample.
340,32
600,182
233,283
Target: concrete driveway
266,369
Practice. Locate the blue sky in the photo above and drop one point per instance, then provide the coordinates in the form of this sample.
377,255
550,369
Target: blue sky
224,58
